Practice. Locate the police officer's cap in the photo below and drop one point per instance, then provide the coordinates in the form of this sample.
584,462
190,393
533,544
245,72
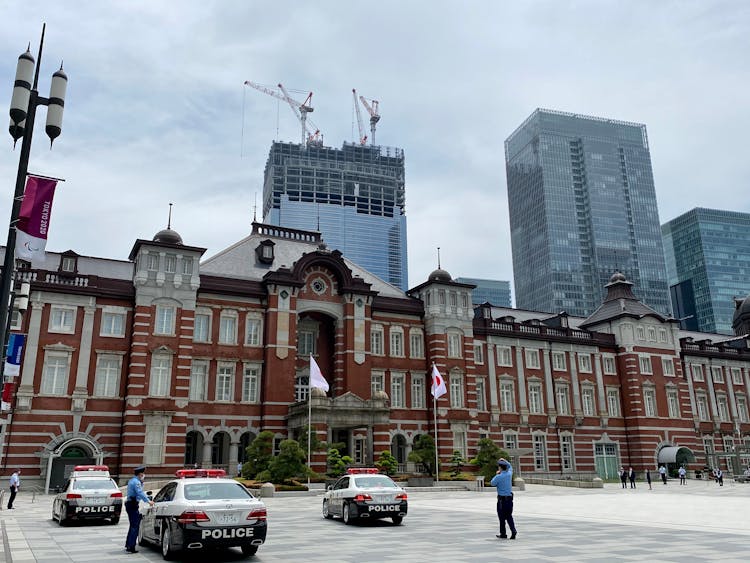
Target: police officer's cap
502,463
139,469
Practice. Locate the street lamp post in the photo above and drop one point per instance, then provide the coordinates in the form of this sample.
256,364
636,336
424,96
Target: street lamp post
23,107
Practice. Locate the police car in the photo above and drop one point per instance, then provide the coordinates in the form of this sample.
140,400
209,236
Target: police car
203,509
90,494
365,493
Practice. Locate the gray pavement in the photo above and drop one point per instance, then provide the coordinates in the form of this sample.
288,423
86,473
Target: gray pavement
696,522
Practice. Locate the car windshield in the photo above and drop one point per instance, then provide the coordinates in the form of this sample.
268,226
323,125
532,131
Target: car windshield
217,490
370,481
92,484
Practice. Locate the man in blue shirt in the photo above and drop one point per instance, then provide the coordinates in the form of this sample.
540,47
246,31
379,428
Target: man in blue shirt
15,483
503,482
134,495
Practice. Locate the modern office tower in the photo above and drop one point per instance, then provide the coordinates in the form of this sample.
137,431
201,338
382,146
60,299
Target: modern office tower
354,196
582,206
708,252
496,292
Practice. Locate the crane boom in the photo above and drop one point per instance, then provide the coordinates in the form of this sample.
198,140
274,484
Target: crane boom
374,116
300,109
361,127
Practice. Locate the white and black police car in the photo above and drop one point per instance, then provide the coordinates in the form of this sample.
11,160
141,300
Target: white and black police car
90,494
203,509
365,493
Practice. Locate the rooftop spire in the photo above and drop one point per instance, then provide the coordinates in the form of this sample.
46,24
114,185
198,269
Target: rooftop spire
169,221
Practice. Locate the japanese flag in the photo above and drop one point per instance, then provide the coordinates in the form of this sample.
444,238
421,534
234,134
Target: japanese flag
316,377
438,383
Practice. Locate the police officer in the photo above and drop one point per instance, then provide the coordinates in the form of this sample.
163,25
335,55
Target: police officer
503,482
134,495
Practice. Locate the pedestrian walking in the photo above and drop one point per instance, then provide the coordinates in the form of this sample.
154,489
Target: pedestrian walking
623,477
503,482
719,477
682,473
135,494
648,478
239,469
663,473
631,476
15,483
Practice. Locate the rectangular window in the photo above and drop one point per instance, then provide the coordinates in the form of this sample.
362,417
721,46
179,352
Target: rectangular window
645,365
702,407
416,344
708,445
558,361
459,442
55,376
535,398
398,400
16,320
736,376
457,391
717,374
507,397
610,366
566,452
563,403
113,324
697,370
228,328
198,380
584,363
250,384
62,319
503,356
376,341
107,378
187,266
397,342
587,398
224,382
153,262
252,331
532,359
153,451
613,402
540,452
202,330
652,334
417,391
662,335
377,382
478,354
641,332
170,264
673,403
454,345
510,441
68,264
161,375
721,405
306,343
728,443
742,409
481,398
667,366
649,402
164,323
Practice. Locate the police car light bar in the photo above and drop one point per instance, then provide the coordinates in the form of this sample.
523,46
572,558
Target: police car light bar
194,473
362,470
91,468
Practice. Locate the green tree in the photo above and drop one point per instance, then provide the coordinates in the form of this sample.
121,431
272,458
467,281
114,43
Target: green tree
423,452
387,463
457,461
289,463
337,463
316,444
487,455
258,455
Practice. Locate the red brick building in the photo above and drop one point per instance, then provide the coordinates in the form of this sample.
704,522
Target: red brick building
168,360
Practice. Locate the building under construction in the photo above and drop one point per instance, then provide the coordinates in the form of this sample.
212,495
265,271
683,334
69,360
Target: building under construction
354,196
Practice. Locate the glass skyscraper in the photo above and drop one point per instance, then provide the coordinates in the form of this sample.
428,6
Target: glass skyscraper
496,292
582,206
355,197
708,250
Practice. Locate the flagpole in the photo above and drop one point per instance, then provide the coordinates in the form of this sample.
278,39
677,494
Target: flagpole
309,423
434,414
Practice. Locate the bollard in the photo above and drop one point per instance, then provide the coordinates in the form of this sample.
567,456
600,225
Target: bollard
266,490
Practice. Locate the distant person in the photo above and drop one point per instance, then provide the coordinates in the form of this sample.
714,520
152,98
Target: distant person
135,494
503,482
648,478
720,477
623,477
747,472
663,473
631,476
239,469
682,473
15,483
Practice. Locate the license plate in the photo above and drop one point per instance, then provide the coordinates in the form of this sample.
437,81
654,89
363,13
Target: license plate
383,498
95,500
228,518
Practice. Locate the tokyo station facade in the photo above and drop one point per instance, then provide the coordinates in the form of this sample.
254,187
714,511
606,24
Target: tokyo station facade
169,359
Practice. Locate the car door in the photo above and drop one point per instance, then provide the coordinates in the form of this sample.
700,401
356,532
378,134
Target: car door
152,519
338,494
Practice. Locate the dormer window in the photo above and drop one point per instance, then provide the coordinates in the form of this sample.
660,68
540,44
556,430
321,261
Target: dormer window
69,263
264,252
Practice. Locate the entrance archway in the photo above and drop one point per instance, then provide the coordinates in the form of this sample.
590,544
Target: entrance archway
220,451
62,465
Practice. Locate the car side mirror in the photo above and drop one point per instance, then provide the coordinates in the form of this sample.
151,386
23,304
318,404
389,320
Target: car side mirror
329,488
150,494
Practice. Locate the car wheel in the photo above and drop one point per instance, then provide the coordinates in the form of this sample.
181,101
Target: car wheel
167,551
346,515
397,519
248,550
114,521
326,512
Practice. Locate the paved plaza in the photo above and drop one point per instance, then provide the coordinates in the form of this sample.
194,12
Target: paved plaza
696,522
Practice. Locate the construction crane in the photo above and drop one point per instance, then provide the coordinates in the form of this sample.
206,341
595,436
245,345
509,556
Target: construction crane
362,134
374,116
300,109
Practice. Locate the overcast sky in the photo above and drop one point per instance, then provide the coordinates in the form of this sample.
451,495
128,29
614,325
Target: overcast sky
156,111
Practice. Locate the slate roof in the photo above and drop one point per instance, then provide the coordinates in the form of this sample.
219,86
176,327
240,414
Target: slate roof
620,302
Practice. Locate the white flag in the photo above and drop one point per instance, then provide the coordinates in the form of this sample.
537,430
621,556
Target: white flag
438,383
316,377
